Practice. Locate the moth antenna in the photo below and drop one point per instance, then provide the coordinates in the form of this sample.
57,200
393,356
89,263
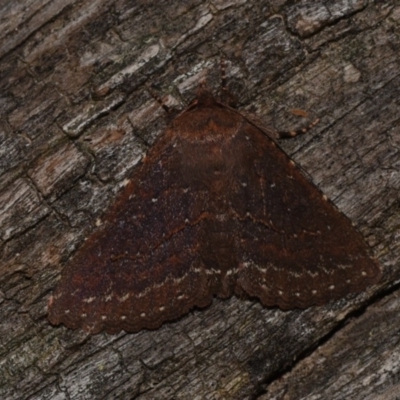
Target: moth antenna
224,89
158,99
226,96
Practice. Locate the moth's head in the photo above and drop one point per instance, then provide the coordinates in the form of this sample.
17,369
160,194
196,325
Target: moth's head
204,96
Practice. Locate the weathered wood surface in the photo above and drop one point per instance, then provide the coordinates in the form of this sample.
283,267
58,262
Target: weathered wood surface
76,118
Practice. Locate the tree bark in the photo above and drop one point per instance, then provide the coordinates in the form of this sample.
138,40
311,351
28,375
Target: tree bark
76,118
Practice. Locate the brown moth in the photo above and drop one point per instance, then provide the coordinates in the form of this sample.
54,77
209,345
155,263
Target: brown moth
215,208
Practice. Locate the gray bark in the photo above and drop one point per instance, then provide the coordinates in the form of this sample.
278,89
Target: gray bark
75,120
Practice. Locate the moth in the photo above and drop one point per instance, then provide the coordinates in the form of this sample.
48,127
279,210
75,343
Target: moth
215,208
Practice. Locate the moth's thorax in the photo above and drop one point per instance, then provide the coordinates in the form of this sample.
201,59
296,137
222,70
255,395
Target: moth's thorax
204,137
207,123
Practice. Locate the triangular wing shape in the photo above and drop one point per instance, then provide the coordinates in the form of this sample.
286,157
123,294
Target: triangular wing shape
215,208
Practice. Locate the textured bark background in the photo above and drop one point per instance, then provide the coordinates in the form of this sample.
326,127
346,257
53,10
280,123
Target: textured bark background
75,120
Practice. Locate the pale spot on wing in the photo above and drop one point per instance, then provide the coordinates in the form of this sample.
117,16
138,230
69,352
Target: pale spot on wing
143,314
162,308
89,299
67,311
84,315
212,271
231,271
262,270
314,291
331,287
124,297
103,317
123,317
